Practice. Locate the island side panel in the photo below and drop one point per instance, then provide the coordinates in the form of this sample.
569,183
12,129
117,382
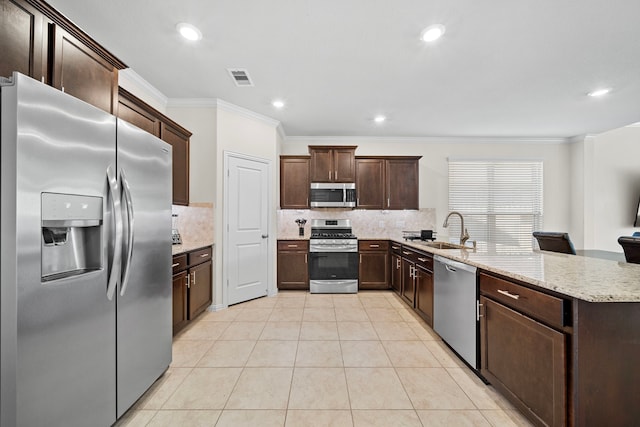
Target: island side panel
606,360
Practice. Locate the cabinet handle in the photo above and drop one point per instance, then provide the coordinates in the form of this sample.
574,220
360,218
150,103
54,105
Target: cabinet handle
395,247
411,271
398,263
388,202
406,253
358,202
478,314
292,246
336,177
361,259
193,273
188,280
305,258
175,264
374,246
508,294
423,259
204,255
329,175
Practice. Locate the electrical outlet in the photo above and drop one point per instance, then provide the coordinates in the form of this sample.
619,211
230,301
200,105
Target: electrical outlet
381,224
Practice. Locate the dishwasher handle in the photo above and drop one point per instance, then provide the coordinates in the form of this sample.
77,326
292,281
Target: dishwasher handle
454,266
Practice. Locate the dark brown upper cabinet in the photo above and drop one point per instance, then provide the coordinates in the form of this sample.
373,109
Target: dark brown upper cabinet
384,182
332,163
21,40
141,114
36,40
294,182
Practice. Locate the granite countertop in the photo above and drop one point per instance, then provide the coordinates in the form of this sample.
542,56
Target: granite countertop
189,246
588,279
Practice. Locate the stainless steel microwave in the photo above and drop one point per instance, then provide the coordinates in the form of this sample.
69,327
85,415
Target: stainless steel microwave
333,195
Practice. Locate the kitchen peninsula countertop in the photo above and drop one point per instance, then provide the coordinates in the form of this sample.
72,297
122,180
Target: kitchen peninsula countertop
588,279
188,247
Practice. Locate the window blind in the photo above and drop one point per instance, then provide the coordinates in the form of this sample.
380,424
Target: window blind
501,202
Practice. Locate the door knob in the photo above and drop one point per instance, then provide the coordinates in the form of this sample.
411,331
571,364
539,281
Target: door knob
265,236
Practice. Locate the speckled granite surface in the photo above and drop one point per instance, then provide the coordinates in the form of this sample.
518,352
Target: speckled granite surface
589,279
188,247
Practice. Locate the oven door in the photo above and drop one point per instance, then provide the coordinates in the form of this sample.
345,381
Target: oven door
333,265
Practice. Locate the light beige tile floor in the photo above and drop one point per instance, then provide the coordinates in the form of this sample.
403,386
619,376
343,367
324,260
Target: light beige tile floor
298,359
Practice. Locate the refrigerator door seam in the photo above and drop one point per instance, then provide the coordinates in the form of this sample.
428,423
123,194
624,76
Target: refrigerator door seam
128,202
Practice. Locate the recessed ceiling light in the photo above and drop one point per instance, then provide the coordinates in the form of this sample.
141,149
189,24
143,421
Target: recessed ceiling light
278,103
432,33
599,92
188,31
379,119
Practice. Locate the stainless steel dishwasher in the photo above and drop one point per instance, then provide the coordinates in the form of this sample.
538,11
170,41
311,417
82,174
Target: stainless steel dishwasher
455,307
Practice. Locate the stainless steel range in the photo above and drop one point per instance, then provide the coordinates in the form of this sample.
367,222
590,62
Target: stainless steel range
333,257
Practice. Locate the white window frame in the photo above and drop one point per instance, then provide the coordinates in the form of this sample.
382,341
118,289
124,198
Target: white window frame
501,201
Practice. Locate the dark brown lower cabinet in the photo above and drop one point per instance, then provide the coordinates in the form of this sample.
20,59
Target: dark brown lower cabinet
374,264
192,285
293,267
424,294
199,289
396,273
180,314
526,361
408,284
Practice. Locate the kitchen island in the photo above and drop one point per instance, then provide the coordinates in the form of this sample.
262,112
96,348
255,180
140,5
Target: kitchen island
559,334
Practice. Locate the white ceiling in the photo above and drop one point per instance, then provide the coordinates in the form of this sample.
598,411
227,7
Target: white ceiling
504,68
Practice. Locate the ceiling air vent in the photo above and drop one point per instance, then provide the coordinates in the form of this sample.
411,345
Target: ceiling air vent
240,76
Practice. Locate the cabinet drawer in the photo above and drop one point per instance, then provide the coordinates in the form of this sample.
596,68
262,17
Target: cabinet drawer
293,245
179,263
425,261
396,248
373,245
200,256
541,306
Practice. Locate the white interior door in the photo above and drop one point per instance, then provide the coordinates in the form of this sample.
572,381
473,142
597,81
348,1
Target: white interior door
247,255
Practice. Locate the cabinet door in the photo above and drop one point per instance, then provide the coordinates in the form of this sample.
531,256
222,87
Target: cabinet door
137,113
396,273
344,165
293,270
180,143
401,190
180,318
21,40
374,270
199,289
424,294
294,182
81,72
370,183
321,165
408,284
525,360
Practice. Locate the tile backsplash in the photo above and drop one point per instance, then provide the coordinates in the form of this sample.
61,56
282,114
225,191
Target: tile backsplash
366,223
195,223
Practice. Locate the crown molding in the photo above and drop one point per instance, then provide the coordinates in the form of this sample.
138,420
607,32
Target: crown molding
232,108
193,103
345,140
156,97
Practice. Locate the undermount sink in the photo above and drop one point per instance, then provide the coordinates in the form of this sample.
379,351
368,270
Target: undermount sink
442,245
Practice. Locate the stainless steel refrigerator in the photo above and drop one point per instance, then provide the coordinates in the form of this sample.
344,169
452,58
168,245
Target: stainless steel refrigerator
85,295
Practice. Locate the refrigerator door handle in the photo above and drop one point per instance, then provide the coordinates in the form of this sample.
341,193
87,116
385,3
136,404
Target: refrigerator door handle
117,238
128,202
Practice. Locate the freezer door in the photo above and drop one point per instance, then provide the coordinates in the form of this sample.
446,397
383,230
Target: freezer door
58,324
144,295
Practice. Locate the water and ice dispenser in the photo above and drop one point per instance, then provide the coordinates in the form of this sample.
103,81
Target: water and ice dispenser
71,235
